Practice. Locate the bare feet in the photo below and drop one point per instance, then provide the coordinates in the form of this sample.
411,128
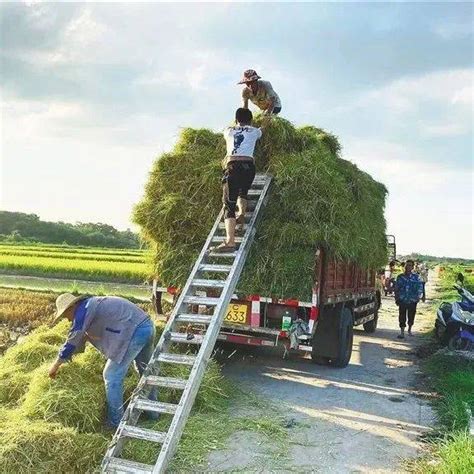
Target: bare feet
221,248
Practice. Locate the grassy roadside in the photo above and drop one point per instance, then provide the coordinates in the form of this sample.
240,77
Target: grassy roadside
451,448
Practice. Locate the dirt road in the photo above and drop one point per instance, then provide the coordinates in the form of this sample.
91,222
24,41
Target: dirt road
364,418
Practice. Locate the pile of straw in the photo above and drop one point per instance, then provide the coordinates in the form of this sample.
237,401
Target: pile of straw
58,425
316,198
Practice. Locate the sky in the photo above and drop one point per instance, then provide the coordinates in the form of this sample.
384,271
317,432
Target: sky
92,93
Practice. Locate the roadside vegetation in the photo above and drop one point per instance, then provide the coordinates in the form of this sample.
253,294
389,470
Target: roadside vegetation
451,449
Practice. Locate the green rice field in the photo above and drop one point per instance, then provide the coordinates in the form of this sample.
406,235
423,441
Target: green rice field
78,263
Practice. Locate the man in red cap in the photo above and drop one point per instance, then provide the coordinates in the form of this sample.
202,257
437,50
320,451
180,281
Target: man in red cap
260,93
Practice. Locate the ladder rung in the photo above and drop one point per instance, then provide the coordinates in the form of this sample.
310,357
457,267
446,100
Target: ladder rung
169,382
157,407
182,359
210,267
126,466
193,318
143,433
222,226
223,254
254,192
208,283
204,300
184,338
222,238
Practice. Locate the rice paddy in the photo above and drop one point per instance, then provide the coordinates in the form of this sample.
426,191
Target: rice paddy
75,263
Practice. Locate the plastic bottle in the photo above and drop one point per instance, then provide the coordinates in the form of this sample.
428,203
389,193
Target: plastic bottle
286,321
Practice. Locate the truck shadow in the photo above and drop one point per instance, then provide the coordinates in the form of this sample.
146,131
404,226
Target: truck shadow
375,396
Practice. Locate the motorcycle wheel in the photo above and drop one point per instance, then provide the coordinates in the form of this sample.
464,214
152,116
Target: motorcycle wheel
457,343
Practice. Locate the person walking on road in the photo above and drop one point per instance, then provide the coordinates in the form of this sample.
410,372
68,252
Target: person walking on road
239,172
117,328
408,292
260,93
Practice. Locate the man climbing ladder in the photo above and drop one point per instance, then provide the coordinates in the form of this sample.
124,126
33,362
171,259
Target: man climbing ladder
219,271
239,172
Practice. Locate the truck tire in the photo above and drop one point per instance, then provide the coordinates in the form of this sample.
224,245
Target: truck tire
320,360
371,326
346,338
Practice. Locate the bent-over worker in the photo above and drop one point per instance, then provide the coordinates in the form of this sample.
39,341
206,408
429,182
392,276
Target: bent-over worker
117,328
239,172
260,93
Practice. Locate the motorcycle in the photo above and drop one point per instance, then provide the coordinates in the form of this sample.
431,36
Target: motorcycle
454,324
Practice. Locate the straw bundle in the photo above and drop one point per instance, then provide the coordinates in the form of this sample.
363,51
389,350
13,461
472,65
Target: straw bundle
316,198
56,425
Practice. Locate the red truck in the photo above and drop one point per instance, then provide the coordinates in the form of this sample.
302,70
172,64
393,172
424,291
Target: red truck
344,296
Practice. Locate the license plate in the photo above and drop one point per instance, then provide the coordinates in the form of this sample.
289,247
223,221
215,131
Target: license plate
236,314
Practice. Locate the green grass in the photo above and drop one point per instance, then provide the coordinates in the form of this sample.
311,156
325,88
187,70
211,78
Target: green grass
72,255
453,379
452,454
82,269
448,275
452,448
69,249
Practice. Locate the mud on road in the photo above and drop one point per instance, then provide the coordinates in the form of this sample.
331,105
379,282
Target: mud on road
367,417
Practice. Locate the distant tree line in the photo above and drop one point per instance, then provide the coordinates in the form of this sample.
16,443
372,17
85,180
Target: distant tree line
433,259
21,227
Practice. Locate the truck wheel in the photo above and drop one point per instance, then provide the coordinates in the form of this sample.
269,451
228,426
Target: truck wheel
320,360
371,326
346,337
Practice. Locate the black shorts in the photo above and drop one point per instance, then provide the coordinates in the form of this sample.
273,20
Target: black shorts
276,110
238,177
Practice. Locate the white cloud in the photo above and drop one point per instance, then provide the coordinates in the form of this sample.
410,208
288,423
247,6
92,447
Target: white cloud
453,30
438,104
426,200
452,87
464,96
393,164
445,129
80,37
24,119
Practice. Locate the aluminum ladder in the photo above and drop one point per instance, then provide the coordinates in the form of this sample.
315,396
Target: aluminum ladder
225,275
